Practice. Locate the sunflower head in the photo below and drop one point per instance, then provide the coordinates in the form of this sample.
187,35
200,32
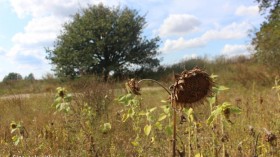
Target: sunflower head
191,87
132,86
13,125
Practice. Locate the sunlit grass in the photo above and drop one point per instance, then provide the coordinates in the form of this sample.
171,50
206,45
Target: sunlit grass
78,134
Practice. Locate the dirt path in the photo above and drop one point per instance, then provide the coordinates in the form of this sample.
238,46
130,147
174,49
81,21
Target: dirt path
25,96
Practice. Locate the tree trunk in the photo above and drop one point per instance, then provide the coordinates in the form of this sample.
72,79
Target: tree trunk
105,75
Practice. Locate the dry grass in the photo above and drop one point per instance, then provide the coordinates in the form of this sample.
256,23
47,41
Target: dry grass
79,133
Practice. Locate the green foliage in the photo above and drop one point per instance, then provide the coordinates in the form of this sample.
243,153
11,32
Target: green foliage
268,4
62,100
132,105
19,132
153,119
12,77
224,110
266,40
147,129
101,40
30,77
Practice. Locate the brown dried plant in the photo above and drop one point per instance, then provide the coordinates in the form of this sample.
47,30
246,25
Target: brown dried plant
133,87
191,87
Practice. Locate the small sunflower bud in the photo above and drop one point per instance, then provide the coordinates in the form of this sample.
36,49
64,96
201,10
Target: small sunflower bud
13,125
61,93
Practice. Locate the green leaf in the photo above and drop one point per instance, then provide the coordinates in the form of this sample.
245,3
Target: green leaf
135,143
162,117
225,105
211,100
158,125
13,130
16,140
152,109
166,109
152,139
57,101
198,155
147,130
214,115
210,119
213,76
168,130
134,102
125,98
142,113
125,117
222,88
235,110
150,118
131,112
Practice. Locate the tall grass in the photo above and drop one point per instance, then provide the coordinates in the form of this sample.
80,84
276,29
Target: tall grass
80,132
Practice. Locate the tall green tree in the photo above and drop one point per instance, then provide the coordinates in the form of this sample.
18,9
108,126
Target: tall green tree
100,40
12,77
267,39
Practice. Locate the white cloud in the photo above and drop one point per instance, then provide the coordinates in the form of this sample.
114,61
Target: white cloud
236,50
232,31
39,8
180,44
178,24
247,11
39,30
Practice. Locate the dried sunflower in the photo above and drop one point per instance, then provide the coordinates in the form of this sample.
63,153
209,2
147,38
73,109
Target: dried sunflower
133,87
191,87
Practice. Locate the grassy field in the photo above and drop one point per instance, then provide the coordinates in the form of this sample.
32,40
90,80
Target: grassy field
96,121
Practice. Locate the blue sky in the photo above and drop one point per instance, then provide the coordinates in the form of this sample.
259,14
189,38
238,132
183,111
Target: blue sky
187,28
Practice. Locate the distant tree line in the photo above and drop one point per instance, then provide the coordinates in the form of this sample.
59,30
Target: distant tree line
12,76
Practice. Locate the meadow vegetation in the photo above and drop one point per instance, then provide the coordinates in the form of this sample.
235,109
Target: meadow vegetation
87,117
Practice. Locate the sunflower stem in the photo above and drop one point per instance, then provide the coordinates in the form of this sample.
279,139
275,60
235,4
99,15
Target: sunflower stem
174,133
156,83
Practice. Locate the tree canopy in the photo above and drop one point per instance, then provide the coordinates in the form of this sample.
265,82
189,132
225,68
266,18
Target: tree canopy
267,39
30,77
268,4
12,77
102,40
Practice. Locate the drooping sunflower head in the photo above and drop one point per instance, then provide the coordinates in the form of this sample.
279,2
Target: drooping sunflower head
191,87
133,87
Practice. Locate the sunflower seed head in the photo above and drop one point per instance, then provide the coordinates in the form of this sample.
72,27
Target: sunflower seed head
192,87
